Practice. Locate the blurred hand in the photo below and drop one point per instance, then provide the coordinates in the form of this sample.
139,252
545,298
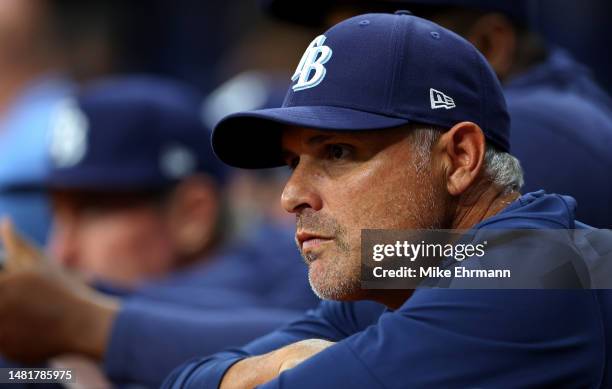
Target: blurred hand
44,311
88,372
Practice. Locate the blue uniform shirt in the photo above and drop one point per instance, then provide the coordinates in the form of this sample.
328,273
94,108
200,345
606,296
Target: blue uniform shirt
447,338
562,134
245,292
264,270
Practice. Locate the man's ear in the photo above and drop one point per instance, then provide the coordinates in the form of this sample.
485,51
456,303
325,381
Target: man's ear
495,37
194,213
463,150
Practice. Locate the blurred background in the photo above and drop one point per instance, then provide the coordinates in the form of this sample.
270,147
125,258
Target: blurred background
206,43
238,54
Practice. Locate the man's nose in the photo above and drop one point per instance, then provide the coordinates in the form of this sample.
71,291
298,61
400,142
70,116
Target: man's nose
301,191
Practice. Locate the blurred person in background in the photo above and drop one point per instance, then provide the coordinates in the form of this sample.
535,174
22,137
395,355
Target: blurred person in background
44,46
254,79
561,119
253,195
135,190
138,203
32,80
580,27
40,52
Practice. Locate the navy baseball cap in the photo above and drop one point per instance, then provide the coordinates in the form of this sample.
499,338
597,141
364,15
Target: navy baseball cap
373,71
128,134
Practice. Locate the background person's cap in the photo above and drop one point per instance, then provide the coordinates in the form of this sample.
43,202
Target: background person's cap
368,72
130,133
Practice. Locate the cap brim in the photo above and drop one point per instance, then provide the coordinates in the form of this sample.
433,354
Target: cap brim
252,140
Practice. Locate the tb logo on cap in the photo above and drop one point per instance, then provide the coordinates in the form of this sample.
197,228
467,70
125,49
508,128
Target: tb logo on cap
310,71
68,134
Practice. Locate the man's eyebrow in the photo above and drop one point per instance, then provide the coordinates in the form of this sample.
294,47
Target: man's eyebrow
314,140
317,139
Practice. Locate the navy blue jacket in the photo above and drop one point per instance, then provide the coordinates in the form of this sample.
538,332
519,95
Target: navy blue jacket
264,270
562,134
247,291
448,338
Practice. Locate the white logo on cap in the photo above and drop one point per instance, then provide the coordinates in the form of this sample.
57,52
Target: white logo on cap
315,56
176,161
440,100
68,134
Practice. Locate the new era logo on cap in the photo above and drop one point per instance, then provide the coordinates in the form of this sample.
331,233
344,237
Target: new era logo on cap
440,100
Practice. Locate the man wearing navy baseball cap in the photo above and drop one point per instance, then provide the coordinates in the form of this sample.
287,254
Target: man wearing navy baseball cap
561,119
133,180
393,122
137,206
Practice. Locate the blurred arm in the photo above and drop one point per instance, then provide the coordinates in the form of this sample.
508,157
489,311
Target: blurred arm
331,321
149,339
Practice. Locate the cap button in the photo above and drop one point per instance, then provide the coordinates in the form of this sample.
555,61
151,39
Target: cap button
403,12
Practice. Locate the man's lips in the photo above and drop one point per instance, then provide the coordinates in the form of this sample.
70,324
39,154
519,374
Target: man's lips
309,241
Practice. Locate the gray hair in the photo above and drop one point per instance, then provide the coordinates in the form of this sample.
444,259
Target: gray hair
500,167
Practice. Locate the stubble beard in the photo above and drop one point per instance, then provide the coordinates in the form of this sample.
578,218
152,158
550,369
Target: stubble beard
340,279
338,276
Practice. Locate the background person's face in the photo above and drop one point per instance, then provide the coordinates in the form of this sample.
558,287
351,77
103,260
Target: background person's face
345,182
119,243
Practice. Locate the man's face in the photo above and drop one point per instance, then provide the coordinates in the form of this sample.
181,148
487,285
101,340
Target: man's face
118,239
343,182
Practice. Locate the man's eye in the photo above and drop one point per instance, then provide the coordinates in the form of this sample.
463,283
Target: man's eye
338,151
